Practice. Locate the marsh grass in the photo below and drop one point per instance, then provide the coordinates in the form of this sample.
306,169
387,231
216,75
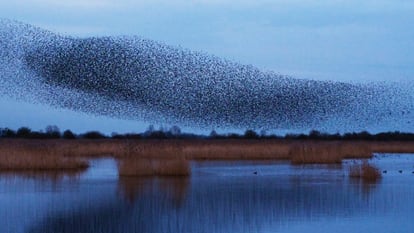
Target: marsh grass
154,156
365,171
237,150
36,156
327,152
314,153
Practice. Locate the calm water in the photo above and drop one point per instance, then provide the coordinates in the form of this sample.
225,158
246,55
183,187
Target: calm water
218,197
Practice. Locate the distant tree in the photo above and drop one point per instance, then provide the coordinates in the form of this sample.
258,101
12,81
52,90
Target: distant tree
233,136
67,134
163,129
52,131
24,132
93,135
159,134
314,134
149,130
263,133
250,134
7,133
175,131
365,135
213,134
132,136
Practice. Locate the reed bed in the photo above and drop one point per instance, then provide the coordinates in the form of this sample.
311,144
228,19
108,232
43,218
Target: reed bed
153,149
365,171
154,155
303,153
327,152
237,150
358,150
36,156
392,147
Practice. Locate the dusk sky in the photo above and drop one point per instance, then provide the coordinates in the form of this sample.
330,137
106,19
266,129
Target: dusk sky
351,41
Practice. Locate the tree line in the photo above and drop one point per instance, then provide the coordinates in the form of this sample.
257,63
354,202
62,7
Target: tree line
53,132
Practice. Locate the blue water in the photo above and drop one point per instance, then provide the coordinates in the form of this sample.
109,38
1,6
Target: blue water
218,197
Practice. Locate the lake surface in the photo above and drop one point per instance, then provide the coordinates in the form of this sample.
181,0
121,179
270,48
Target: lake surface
218,197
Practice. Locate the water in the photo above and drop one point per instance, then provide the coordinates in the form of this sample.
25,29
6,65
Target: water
218,197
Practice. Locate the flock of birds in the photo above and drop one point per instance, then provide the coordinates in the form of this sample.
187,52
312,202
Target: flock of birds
140,79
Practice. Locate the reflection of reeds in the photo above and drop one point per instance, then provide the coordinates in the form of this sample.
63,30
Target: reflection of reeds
174,188
153,167
364,171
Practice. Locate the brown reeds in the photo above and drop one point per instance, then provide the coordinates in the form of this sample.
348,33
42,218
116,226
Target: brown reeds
67,154
36,156
236,150
327,152
357,150
302,153
364,171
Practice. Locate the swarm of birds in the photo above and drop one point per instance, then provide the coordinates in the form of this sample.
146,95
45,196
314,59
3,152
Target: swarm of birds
136,78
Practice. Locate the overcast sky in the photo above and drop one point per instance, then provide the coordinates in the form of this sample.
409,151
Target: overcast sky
345,40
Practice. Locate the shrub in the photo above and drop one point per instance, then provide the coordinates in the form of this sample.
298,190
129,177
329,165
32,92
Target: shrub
52,131
24,132
67,134
250,134
93,135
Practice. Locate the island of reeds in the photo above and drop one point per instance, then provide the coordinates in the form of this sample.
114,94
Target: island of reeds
169,152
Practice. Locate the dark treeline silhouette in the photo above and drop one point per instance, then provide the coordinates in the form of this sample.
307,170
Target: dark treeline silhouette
53,132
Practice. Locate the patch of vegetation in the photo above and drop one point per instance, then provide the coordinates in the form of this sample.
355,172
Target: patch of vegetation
53,132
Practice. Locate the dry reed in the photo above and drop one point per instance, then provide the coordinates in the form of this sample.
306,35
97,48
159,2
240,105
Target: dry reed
327,152
36,156
303,153
64,154
236,150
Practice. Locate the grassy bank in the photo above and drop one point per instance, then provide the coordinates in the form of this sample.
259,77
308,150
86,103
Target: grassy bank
170,157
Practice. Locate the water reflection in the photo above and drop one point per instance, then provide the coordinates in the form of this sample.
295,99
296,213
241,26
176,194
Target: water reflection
216,205
219,203
173,188
43,176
